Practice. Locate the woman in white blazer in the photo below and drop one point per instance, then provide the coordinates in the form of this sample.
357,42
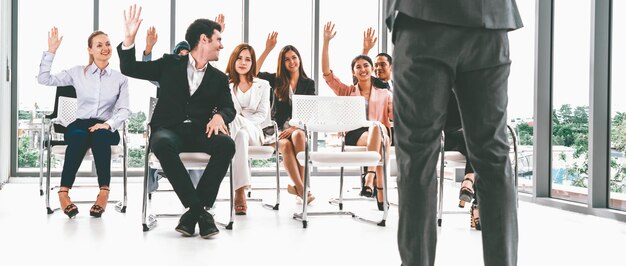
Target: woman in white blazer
251,97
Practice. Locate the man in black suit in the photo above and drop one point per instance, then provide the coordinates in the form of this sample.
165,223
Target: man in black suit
191,115
440,45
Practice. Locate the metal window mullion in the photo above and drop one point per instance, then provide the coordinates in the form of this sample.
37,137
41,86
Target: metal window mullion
172,24
542,129
382,27
14,82
599,104
245,25
315,45
96,15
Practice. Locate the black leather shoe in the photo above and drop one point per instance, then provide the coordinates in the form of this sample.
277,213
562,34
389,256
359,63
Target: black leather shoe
187,223
207,225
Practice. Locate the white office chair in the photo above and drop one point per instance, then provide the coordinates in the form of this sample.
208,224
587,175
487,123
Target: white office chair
191,160
262,153
455,158
333,114
66,114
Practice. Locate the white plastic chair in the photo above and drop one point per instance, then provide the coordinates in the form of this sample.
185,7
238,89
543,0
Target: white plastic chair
333,114
455,158
66,114
191,160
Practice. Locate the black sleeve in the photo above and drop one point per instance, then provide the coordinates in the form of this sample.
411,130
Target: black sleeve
310,88
129,65
270,77
225,106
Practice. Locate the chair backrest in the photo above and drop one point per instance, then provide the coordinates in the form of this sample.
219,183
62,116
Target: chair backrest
329,113
66,111
153,102
62,91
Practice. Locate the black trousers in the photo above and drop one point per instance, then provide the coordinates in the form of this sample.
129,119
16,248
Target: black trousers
429,60
168,143
79,140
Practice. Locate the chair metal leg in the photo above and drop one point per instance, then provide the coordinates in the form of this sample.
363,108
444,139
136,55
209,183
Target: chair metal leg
340,201
41,151
147,224
49,210
441,172
121,206
232,200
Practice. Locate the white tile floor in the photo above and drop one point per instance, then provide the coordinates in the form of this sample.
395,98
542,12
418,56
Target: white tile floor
28,236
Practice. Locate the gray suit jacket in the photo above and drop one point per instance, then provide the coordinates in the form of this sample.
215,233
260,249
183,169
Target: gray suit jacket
489,14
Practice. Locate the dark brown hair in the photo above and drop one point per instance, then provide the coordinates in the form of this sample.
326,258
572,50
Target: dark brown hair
282,74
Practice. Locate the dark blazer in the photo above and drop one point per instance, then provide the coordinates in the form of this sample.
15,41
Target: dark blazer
281,110
488,14
175,104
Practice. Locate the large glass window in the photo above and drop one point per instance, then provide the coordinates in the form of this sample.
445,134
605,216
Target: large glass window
521,91
348,43
345,46
570,94
293,22
35,19
617,173
155,13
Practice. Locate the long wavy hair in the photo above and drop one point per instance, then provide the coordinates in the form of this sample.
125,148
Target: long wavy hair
231,69
282,74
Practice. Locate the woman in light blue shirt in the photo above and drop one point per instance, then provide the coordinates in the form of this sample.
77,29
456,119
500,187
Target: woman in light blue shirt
102,97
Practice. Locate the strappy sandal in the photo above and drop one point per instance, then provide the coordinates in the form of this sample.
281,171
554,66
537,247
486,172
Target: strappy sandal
97,210
241,208
69,210
294,191
475,219
366,191
466,194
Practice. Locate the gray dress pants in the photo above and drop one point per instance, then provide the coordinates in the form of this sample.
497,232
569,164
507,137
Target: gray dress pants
431,59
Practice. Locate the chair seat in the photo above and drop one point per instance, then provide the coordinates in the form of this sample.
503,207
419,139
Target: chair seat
260,152
392,150
454,158
59,150
339,159
191,160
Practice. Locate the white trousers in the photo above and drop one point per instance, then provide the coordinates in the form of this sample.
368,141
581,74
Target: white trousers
245,134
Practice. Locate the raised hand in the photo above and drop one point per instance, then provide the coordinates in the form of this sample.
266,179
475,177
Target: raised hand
329,31
369,40
151,39
220,20
272,39
132,21
54,41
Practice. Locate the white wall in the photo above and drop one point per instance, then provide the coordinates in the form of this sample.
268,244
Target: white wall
5,90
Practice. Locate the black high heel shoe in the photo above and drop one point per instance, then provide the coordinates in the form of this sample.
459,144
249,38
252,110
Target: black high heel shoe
466,194
97,210
70,210
365,190
381,205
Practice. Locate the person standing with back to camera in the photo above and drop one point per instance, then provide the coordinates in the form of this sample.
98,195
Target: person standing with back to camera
440,45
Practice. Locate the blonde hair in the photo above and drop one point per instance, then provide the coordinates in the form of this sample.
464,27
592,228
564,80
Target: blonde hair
89,44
